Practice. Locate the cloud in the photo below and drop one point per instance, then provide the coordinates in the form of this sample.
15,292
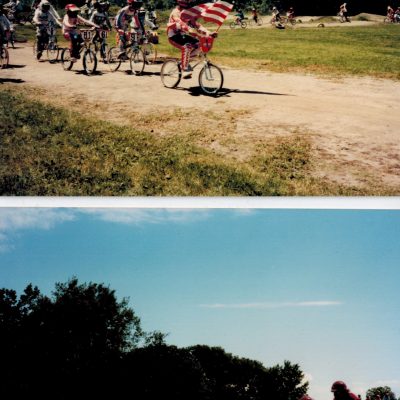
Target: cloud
12,219
260,306
139,216
16,219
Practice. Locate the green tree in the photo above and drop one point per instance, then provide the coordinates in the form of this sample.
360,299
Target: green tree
381,391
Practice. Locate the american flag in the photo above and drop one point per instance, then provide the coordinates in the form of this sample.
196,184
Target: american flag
211,12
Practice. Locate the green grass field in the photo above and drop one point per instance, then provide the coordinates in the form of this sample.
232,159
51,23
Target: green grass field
350,50
46,150
371,50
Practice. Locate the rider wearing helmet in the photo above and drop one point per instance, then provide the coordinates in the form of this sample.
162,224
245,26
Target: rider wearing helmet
100,18
276,14
128,17
5,26
183,32
341,392
42,19
70,30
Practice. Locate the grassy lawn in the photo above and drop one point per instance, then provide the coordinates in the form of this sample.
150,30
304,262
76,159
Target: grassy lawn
350,50
46,150
370,50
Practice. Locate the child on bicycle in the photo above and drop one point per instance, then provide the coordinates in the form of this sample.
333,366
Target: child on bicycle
127,17
276,15
100,18
42,19
239,16
254,15
71,31
5,26
183,33
290,13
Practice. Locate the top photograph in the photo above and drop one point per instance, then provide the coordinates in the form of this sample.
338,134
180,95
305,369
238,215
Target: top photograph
191,98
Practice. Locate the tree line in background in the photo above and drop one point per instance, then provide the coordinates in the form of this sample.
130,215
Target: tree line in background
81,342
301,7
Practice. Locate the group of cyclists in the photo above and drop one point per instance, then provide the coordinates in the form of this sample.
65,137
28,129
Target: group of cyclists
393,15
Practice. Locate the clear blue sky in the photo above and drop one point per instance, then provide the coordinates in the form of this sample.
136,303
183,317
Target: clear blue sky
316,287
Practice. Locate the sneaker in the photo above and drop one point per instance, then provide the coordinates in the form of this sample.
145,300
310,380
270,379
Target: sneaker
74,60
188,69
122,56
38,55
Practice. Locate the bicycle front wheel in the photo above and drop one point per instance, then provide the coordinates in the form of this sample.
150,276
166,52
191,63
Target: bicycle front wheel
66,59
89,61
150,52
4,57
52,52
171,73
211,79
137,61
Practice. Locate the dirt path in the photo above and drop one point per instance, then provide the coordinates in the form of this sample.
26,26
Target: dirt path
354,122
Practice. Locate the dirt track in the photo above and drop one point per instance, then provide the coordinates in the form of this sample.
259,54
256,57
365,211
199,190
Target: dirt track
353,122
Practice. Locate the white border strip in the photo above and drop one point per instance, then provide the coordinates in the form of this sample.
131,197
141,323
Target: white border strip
340,203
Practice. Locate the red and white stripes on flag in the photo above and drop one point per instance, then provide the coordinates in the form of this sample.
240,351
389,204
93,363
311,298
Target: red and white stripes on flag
211,12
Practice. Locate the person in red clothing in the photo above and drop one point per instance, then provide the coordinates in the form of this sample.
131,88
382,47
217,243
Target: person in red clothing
306,397
341,392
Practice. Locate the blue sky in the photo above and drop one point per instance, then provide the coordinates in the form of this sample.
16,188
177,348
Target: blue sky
315,287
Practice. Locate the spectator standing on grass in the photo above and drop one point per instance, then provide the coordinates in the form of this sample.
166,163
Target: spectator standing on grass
341,392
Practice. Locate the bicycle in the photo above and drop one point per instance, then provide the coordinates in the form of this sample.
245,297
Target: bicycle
211,77
11,36
238,23
278,23
149,48
4,56
288,21
253,22
50,46
133,53
99,45
342,17
89,59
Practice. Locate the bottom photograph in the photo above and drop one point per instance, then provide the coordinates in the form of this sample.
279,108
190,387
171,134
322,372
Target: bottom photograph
199,304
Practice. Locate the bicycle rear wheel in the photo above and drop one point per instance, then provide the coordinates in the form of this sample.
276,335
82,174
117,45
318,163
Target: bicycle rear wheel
52,52
137,61
4,57
66,59
233,25
150,52
114,62
171,73
243,24
211,79
89,61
